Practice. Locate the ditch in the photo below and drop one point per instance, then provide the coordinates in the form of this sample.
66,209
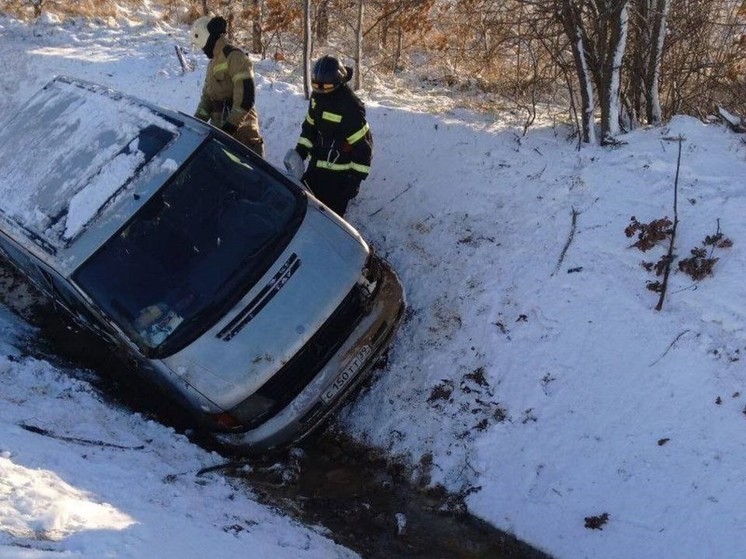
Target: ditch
364,500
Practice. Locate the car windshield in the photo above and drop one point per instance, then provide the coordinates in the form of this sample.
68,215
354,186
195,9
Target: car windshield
193,250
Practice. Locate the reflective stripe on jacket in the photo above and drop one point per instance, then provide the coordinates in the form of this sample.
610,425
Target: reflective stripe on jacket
229,92
336,134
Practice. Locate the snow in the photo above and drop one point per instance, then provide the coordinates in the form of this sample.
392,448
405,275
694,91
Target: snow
35,183
131,491
532,373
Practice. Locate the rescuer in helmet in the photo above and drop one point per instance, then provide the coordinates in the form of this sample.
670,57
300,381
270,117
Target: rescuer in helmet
228,94
336,135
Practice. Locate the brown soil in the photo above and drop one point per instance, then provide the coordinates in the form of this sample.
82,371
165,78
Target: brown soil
368,504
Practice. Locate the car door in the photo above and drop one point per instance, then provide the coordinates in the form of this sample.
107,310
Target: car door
65,296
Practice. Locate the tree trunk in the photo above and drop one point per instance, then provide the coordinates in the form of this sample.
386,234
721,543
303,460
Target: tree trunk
307,48
569,14
359,44
257,39
384,33
397,51
636,63
230,18
597,30
322,23
613,43
38,6
652,97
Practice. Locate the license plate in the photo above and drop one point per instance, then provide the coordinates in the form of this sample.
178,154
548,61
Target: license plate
344,378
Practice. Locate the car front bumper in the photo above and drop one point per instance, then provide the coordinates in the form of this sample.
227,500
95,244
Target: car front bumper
346,370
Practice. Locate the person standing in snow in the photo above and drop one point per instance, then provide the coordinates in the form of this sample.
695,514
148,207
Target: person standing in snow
228,94
336,135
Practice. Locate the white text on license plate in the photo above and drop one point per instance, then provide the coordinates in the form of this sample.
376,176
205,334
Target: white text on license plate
346,375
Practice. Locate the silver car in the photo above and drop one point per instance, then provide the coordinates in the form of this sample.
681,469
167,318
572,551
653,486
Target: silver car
199,263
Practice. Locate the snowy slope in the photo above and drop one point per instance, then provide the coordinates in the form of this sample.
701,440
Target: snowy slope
532,372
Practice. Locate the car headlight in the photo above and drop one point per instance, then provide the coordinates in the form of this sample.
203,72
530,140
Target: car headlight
245,415
370,276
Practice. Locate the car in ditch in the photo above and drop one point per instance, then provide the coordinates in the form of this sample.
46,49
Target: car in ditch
194,260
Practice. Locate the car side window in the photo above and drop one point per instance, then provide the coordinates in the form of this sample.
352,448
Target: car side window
23,261
49,283
65,295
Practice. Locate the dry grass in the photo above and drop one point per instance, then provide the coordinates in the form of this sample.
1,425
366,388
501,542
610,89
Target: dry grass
29,9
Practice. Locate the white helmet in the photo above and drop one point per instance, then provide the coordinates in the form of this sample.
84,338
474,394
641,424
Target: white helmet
199,32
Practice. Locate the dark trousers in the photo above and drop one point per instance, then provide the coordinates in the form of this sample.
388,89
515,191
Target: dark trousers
334,188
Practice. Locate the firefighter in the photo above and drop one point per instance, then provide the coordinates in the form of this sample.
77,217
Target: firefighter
336,136
228,95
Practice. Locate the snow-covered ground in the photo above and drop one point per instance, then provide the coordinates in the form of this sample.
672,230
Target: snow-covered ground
532,374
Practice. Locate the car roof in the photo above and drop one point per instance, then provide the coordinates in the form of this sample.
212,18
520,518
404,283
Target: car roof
79,159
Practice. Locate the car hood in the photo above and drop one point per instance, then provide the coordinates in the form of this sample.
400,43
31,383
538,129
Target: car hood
278,315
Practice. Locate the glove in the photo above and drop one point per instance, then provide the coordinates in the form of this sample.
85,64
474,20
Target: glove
294,164
229,128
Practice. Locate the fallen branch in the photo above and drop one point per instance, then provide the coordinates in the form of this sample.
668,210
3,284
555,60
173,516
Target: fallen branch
186,65
237,464
224,466
676,339
390,201
570,237
37,545
669,255
89,442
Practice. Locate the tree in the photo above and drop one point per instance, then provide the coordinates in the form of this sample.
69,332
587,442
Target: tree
307,48
597,31
652,74
648,30
322,22
612,44
403,18
280,18
652,58
570,15
703,57
359,44
256,27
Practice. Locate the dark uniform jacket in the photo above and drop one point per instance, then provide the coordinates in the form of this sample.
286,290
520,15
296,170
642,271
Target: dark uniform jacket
336,135
227,99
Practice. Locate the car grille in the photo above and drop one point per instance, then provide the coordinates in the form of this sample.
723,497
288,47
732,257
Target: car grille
284,386
249,312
